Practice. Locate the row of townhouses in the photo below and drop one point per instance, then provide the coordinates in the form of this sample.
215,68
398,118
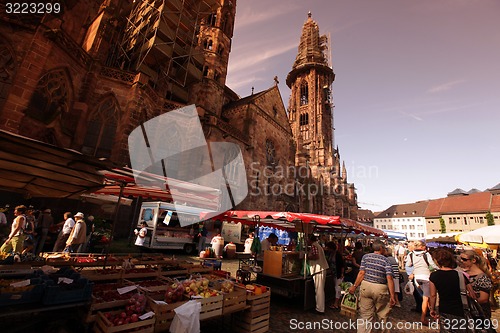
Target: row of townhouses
461,211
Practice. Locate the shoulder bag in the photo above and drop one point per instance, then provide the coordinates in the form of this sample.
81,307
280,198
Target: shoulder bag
473,313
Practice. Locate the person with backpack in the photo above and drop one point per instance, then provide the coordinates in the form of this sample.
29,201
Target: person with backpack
421,264
15,240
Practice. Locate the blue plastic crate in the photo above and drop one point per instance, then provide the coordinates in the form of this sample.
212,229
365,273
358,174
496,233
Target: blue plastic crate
59,294
34,295
216,264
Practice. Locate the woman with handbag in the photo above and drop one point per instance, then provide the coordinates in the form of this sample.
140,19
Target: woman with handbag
446,283
480,278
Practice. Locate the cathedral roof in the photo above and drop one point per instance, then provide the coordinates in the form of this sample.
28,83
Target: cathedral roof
247,100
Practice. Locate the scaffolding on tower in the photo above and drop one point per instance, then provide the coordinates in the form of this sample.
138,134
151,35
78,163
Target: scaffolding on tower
161,41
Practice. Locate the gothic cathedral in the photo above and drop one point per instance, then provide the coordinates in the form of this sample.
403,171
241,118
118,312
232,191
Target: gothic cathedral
86,77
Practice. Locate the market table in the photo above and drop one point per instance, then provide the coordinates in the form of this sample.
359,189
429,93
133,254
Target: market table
297,288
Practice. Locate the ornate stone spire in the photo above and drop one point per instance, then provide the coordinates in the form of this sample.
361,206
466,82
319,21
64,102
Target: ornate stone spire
312,45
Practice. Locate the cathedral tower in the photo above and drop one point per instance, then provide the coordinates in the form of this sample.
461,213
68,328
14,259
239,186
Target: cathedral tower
311,119
310,106
214,39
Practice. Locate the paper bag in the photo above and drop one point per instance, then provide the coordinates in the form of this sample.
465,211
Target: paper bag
187,318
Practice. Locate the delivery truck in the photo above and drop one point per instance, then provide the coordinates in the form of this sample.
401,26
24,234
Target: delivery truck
164,229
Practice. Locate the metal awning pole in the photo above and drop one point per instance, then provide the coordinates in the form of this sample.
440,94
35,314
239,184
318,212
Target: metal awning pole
115,218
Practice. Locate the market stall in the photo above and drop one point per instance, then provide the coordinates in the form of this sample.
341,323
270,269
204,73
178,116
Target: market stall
283,266
122,293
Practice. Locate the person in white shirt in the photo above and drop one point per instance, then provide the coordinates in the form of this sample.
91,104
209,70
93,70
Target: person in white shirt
63,236
422,263
141,236
248,243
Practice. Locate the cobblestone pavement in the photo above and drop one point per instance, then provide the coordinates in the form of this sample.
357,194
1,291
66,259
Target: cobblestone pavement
289,317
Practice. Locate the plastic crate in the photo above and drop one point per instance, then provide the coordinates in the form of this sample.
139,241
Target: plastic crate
214,263
23,295
58,294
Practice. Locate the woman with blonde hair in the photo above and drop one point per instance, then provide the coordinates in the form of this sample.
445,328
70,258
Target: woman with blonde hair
15,240
480,277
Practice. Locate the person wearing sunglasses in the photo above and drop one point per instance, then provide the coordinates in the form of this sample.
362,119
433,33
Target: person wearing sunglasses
480,277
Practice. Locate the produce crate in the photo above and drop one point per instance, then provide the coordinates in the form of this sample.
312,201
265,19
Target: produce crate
251,321
234,301
103,325
138,273
60,294
31,293
199,269
259,301
152,285
99,304
102,274
172,269
164,312
348,306
210,306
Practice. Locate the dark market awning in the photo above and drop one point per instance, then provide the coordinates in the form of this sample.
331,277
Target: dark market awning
38,169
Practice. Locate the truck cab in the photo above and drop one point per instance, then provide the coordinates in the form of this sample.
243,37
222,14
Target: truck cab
164,229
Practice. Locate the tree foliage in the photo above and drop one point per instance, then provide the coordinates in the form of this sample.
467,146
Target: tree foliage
490,219
443,225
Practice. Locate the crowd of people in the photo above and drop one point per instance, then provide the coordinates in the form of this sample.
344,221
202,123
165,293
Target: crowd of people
29,230
382,273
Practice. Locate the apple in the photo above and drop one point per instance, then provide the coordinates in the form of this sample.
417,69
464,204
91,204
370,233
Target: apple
123,315
134,318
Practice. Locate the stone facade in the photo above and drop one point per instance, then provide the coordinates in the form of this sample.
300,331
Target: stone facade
85,78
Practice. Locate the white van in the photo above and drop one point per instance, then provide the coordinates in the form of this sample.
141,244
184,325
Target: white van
164,230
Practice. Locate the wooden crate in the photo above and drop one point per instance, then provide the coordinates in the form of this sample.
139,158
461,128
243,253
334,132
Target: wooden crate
164,313
251,321
139,273
96,306
259,302
210,306
103,325
102,274
152,289
199,269
234,301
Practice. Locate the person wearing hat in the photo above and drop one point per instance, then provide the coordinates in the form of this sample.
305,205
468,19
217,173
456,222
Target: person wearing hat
78,234
43,223
63,236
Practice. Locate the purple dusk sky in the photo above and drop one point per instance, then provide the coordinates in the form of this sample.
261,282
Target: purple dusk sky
416,94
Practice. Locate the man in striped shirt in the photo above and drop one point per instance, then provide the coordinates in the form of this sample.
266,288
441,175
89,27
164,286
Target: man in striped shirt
376,296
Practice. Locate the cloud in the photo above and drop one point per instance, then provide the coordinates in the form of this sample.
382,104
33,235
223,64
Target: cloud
444,86
251,17
257,56
410,115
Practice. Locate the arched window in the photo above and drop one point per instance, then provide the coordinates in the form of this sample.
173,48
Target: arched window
208,44
304,119
7,71
52,97
212,19
270,153
220,50
304,94
101,129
